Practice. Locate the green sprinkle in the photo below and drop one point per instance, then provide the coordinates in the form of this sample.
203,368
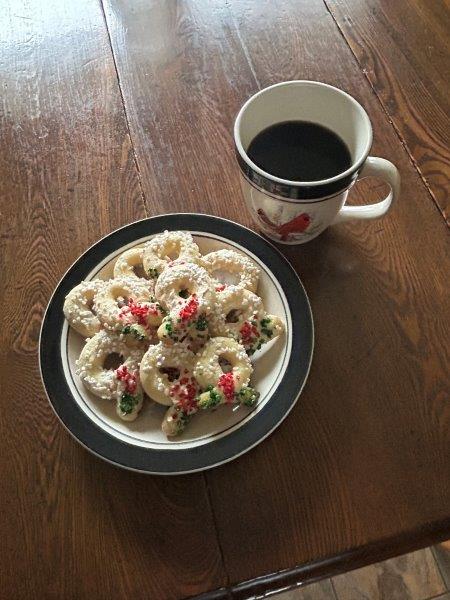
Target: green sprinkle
210,398
248,396
181,421
216,396
161,309
137,331
128,402
201,324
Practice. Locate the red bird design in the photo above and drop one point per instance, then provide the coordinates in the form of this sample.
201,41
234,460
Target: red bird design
296,225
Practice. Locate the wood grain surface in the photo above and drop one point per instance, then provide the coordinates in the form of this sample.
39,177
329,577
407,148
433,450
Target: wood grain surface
404,51
356,442
72,526
111,113
376,405
183,76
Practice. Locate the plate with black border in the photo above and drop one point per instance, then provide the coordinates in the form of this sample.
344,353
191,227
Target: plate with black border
281,367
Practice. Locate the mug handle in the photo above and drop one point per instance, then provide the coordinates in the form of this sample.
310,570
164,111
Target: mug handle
382,169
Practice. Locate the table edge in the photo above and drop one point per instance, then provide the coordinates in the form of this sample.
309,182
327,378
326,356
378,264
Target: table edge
348,560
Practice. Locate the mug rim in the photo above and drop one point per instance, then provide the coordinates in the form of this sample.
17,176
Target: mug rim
289,182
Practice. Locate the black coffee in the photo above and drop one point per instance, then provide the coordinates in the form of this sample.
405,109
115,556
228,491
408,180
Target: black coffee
299,151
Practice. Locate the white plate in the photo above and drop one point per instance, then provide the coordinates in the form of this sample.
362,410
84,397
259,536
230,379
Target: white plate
280,367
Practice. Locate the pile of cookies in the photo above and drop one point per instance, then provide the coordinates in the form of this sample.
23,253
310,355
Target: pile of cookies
173,324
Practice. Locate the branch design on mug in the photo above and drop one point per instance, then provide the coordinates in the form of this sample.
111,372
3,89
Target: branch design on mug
298,224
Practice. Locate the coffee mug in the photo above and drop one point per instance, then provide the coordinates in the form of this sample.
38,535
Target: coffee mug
294,212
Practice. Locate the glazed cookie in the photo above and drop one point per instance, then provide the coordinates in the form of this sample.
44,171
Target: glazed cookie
189,324
111,301
141,319
240,314
187,291
166,248
129,264
175,421
234,306
78,307
177,417
225,264
166,374
223,370
253,334
121,384
181,282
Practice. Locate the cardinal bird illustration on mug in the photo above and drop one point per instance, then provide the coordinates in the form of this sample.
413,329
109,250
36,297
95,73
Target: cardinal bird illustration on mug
298,224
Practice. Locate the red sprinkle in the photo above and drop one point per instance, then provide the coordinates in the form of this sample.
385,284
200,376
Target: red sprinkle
139,312
248,332
190,309
221,287
130,380
186,394
226,384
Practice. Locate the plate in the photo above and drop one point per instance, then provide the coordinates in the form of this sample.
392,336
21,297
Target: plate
280,368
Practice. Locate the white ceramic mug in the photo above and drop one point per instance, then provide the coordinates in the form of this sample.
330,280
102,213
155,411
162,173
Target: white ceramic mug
294,212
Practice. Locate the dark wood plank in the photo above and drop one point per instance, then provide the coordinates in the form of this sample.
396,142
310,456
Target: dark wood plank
360,465
404,49
72,526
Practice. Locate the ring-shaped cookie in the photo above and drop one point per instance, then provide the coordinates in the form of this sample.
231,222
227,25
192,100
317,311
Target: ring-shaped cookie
179,283
234,306
223,370
167,249
221,264
166,374
130,264
79,310
110,303
121,384
240,314
187,291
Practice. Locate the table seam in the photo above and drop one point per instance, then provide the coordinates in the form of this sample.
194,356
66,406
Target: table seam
125,113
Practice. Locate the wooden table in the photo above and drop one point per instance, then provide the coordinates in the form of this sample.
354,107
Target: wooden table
112,112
